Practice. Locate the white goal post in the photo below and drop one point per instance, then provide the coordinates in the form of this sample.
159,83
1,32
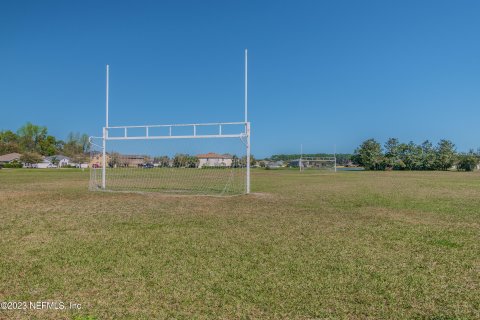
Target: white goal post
318,163
224,172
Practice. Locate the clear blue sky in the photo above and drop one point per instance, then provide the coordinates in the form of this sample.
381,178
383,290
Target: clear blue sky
321,72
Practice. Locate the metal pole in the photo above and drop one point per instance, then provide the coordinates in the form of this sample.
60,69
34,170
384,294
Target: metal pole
247,124
106,100
104,161
335,156
104,146
301,155
246,85
248,157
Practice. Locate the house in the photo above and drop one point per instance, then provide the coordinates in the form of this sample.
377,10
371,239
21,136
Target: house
96,160
118,160
212,159
59,160
132,160
10,157
44,164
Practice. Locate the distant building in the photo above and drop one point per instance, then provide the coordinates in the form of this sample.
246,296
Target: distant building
118,160
60,160
96,160
212,159
132,160
45,164
10,157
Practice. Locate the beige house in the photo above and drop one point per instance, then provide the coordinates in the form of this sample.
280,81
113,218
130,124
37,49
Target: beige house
10,157
132,160
96,160
119,160
212,159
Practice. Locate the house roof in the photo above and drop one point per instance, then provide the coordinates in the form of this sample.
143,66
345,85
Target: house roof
10,157
58,157
213,155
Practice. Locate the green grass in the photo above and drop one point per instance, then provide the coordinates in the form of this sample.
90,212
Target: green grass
312,245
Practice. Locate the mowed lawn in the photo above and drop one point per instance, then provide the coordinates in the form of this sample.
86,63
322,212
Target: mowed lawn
311,245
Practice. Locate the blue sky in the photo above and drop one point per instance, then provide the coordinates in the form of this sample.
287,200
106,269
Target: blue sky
321,73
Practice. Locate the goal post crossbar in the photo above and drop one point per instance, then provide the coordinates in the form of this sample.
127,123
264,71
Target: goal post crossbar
218,129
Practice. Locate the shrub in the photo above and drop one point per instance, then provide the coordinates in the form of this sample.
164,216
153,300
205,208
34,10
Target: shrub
467,163
13,165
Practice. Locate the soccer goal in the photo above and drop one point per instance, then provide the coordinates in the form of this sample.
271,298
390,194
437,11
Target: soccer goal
196,158
318,163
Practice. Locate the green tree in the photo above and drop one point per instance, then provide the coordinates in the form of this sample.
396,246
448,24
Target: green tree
235,161
192,161
76,144
180,160
31,157
369,155
114,160
468,162
410,155
428,155
445,155
163,161
84,141
392,153
252,160
72,146
48,146
9,142
243,161
31,136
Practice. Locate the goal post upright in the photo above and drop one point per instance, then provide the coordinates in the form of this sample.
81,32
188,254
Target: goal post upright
301,156
335,157
247,124
104,152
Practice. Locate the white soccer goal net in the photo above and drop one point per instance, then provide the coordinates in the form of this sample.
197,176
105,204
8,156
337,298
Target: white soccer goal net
318,163
182,165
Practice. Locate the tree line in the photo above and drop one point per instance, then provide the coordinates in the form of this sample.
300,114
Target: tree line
410,156
34,142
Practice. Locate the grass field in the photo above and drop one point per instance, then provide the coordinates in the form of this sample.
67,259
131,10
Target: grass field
350,245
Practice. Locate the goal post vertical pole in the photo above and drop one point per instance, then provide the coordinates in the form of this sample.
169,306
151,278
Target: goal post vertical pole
301,156
104,145
104,152
335,157
246,85
247,124
106,97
